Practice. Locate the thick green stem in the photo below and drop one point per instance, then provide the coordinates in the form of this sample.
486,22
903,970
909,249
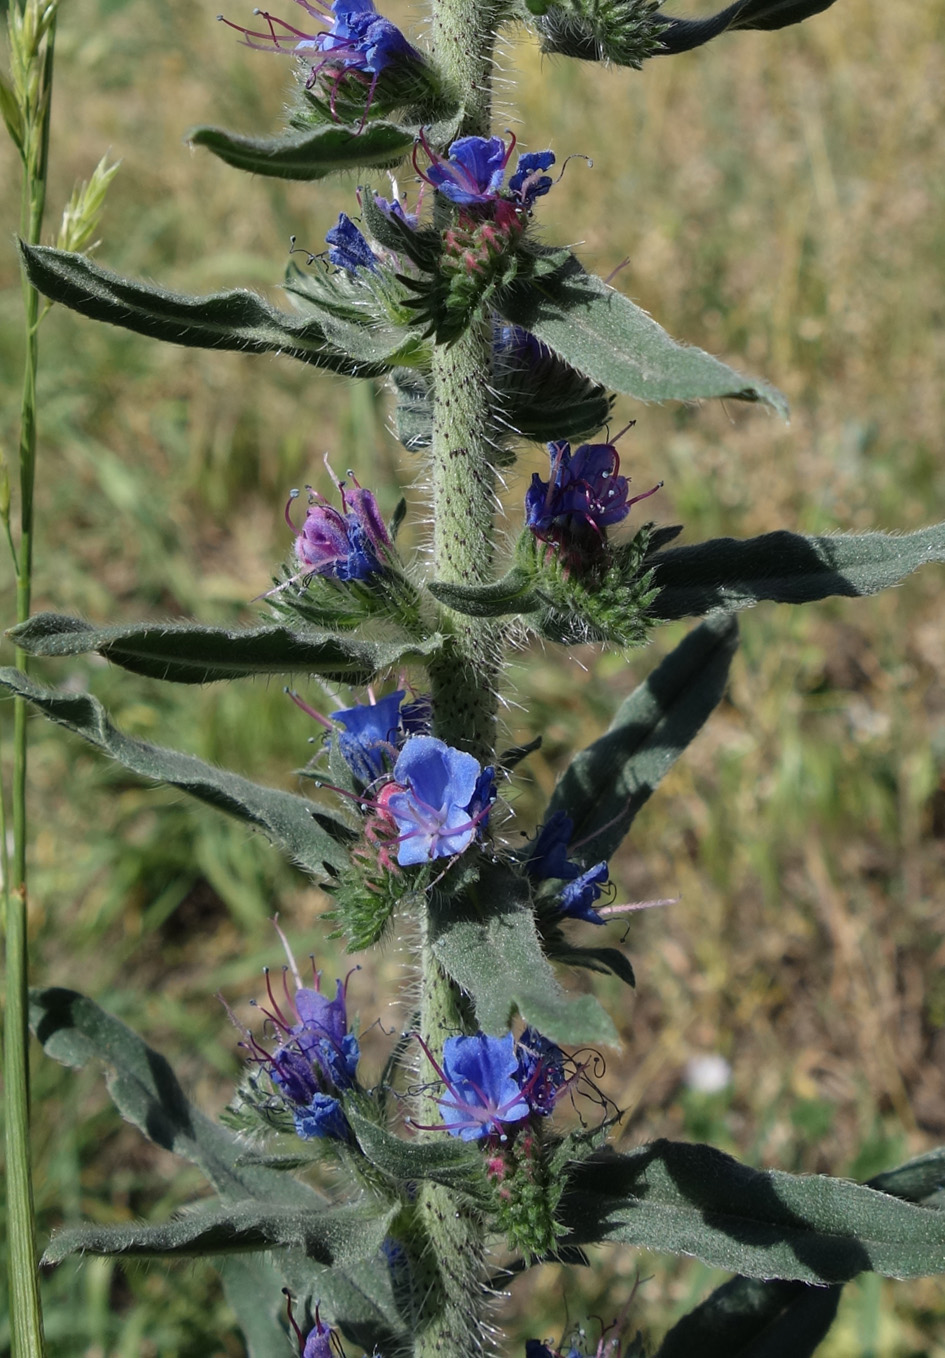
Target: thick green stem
25,1307
463,687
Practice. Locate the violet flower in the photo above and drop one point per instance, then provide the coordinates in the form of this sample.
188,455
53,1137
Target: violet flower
347,544
349,249
357,43
440,801
371,736
316,1059
583,497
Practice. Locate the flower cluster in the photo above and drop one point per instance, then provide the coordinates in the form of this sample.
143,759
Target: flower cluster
347,544
316,1058
357,44
549,859
429,800
496,1083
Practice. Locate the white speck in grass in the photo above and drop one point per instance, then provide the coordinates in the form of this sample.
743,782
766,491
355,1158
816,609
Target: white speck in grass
708,1074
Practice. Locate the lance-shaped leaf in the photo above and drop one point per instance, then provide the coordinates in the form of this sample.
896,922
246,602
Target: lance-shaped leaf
74,1031
695,1200
308,833
309,154
237,319
603,335
605,785
333,1236
786,568
488,943
514,593
748,1318
682,35
186,653
919,1180
446,1161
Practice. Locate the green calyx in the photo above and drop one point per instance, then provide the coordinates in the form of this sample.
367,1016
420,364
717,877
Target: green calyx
625,32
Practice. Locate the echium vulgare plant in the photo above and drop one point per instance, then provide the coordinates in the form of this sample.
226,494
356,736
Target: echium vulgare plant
381,1210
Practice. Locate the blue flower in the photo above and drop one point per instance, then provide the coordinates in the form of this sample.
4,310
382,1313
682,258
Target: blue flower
322,1117
437,788
318,1343
349,249
474,172
528,182
483,1079
549,859
371,736
578,897
347,544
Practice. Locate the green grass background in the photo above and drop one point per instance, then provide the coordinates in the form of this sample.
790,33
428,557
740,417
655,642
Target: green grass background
780,199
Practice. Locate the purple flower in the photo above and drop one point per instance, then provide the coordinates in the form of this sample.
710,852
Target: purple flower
349,249
583,497
549,859
584,491
541,1072
474,172
483,1079
432,806
317,1057
359,43
347,544
371,736
318,1343
393,207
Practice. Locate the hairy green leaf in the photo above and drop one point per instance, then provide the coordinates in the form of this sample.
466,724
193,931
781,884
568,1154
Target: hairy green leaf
786,568
514,593
447,1161
186,653
695,1200
748,1318
223,320
332,1236
920,1180
605,785
74,1031
310,154
309,834
603,335
488,943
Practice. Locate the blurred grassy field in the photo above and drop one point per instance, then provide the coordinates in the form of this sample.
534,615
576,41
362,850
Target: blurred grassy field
780,198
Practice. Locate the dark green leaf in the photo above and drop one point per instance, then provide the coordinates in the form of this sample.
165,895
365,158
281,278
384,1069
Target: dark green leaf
74,1031
682,35
186,653
146,1092
921,1180
223,320
308,833
514,593
310,154
605,785
593,959
336,1236
747,1318
488,943
763,1224
447,1161
603,335
730,573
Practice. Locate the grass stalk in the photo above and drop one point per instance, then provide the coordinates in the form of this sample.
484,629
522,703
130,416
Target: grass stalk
33,48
